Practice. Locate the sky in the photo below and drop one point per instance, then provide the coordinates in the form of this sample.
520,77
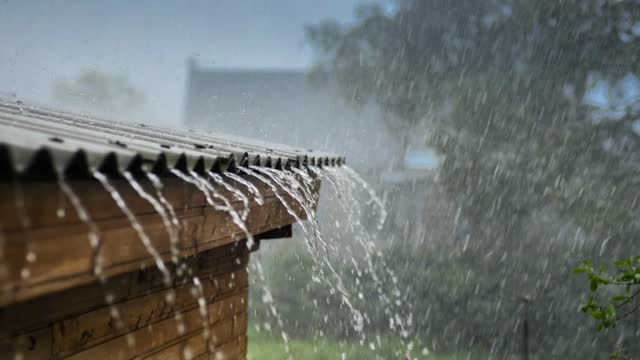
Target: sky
150,42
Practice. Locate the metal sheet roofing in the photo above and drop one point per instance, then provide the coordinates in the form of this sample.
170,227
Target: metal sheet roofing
36,143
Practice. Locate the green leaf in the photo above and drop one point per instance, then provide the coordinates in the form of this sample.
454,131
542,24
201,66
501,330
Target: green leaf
597,314
580,270
610,311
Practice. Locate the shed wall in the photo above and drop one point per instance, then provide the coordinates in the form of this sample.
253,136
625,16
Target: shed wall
78,323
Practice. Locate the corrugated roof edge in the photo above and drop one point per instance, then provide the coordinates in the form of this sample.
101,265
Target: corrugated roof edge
37,144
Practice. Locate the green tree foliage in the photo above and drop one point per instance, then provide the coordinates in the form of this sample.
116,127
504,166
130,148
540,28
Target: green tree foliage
623,301
500,85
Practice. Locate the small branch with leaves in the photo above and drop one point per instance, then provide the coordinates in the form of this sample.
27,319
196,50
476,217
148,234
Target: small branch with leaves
625,284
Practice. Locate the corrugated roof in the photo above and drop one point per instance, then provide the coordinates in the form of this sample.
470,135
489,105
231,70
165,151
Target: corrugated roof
36,142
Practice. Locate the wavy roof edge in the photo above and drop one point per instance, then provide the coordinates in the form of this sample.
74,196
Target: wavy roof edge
37,143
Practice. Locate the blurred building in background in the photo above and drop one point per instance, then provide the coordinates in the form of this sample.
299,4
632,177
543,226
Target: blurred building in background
284,105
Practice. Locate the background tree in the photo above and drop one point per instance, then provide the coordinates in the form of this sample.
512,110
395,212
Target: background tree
542,180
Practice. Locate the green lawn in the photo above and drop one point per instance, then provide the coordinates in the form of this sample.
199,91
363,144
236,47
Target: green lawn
262,347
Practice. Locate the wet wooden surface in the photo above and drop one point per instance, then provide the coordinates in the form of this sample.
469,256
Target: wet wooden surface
54,307
79,323
30,224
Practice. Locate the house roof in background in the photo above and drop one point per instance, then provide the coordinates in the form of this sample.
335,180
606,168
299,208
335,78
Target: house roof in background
287,106
36,143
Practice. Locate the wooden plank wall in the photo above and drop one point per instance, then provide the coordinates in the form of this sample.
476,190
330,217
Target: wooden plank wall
79,323
61,246
61,311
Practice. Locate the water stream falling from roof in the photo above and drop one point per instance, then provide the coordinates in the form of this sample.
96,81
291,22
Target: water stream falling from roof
95,241
289,209
290,185
186,178
157,206
257,196
237,194
395,307
210,193
373,197
308,183
157,184
227,207
136,225
256,267
169,227
94,232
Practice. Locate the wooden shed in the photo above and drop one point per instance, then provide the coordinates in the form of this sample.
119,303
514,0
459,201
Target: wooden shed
111,246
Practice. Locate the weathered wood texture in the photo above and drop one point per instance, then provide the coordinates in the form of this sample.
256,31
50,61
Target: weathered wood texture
79,323
52,305
63,254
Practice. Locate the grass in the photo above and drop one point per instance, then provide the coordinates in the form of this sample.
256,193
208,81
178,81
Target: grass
268,347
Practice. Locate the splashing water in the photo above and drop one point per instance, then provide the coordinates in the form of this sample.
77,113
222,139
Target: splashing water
115,195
